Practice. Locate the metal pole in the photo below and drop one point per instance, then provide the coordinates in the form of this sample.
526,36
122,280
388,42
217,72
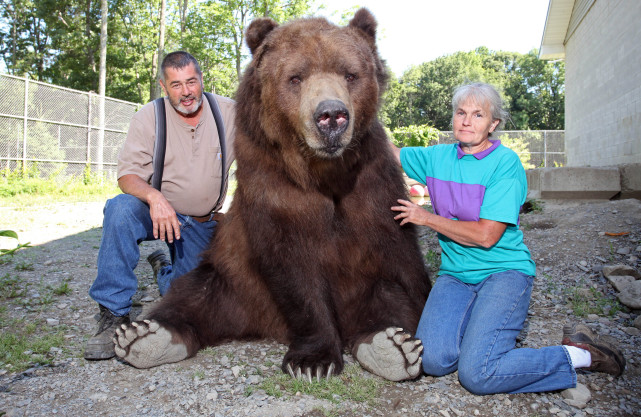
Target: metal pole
24,123
88,158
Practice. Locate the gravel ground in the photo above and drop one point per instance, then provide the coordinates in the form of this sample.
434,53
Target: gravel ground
569,241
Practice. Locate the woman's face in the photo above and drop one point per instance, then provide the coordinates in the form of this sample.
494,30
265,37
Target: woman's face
472,123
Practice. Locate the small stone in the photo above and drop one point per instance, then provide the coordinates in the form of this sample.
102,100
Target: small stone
212,396
637,322
53,322
623,251
620,270
578,397
619,282
235,370
631,295
632,331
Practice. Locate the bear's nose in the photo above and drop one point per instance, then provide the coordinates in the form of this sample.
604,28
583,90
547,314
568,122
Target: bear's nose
332,118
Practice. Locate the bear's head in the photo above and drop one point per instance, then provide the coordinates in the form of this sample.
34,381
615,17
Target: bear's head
311,84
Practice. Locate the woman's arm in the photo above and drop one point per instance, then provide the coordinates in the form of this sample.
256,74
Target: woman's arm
482,233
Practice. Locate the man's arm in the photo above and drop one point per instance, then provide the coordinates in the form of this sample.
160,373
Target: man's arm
163,216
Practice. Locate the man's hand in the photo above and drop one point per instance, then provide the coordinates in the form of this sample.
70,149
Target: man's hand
163,216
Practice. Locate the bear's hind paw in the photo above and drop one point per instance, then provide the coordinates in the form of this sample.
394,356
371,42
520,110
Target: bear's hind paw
392,354
146,343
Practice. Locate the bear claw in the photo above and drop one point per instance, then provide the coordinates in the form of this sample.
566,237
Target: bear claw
392,354
307,376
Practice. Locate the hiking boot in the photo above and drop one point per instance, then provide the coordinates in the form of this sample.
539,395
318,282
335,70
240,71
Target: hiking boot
158,260
101,345
605,356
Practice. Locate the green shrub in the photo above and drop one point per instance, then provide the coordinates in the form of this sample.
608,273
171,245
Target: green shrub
422,135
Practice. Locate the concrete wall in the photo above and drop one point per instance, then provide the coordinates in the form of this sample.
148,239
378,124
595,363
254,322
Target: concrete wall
603,86
622,181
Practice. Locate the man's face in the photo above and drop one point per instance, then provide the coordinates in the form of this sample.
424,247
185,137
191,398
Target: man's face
184,87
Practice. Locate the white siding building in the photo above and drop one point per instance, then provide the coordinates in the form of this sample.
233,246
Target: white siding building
600,41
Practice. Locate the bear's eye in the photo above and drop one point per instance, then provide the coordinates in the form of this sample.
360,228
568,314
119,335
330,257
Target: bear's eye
350,78
295,80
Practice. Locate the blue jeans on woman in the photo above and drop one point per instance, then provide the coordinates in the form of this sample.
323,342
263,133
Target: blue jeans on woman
473,328
126,224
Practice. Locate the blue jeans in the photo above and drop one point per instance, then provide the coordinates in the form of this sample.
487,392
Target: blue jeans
126,224
472,328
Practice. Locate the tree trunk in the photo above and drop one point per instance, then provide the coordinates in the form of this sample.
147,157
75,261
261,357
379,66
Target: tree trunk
102,81
155,90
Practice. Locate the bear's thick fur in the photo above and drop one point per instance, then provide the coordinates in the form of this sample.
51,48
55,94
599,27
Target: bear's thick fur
309,253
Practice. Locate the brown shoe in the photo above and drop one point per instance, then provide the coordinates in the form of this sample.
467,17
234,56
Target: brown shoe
101,345
158,260
605,356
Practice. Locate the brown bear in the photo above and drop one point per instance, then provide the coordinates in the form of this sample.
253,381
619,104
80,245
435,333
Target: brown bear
309,253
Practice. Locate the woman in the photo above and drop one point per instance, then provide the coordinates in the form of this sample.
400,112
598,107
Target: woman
479,302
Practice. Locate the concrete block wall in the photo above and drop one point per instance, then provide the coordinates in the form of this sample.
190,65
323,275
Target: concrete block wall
623,181
603,86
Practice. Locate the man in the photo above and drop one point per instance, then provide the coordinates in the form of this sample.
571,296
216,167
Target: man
182,214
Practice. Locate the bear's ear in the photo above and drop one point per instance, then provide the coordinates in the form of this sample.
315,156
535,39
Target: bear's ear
257,31
364,21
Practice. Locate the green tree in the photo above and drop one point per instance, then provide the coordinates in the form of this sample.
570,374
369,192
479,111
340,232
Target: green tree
58,41
532,89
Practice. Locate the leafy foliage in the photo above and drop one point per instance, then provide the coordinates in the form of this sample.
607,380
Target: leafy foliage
533,89
423,135
58,41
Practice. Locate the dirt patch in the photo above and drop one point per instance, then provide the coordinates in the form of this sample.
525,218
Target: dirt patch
569,241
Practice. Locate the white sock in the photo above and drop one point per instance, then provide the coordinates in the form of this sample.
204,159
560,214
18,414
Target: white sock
580,358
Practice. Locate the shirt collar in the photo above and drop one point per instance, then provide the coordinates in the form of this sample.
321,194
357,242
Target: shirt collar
480,155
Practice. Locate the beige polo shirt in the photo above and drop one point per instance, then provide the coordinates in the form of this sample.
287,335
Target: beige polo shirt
193,171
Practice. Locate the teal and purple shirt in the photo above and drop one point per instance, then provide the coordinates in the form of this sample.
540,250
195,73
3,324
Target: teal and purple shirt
488,185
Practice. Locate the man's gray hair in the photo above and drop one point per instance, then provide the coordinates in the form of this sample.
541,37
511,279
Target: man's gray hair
482,94
178,60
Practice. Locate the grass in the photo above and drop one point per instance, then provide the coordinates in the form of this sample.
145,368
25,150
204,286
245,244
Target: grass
26,344
20,188
592,301
351,385
433,259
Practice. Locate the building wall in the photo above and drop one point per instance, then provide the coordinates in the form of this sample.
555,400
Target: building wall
603,86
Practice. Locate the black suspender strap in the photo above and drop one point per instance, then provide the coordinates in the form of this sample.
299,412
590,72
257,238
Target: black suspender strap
220,126
160,144
158,159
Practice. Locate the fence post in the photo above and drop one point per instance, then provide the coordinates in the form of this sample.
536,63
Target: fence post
101,132
24,123
88,158
545,149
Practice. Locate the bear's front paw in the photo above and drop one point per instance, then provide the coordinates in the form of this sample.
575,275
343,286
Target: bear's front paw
392,354
306,367
146,343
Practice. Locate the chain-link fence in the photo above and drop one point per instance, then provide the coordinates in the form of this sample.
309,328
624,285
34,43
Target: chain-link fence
59,128
537,148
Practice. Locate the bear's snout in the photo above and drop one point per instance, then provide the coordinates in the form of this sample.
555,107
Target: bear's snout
331,118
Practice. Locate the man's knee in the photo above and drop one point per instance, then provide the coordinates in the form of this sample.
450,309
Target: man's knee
124,207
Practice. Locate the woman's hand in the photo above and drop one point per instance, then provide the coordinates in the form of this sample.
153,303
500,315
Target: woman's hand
482,233
409,212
